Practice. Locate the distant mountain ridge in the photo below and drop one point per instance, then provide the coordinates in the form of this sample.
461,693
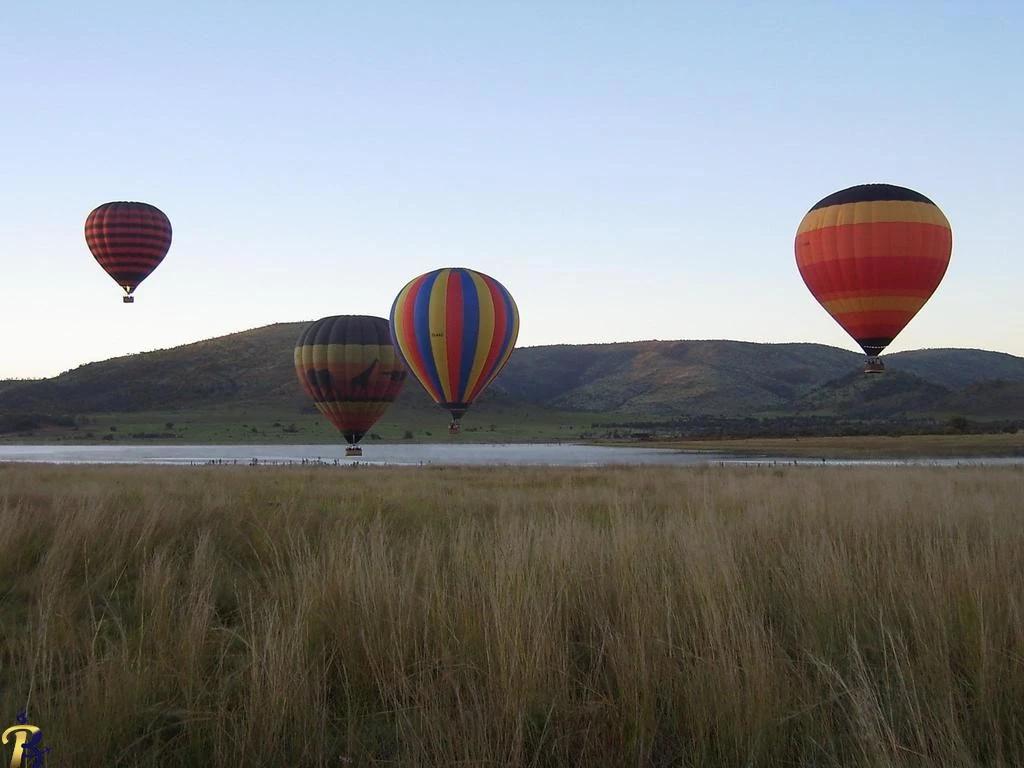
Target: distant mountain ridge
648,381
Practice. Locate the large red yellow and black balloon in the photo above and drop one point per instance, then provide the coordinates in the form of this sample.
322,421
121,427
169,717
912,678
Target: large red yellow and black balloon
129,240
348,365
872,255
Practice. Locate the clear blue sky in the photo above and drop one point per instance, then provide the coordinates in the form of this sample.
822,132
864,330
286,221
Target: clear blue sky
627,170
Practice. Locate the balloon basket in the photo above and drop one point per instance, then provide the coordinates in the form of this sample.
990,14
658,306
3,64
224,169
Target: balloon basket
454,428
874,365
128,299
353,450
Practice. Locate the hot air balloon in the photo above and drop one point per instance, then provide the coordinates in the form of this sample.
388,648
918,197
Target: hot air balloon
128,240
455,329
872,255
347,364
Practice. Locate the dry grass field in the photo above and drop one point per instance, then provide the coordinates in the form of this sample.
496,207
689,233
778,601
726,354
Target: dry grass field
506,617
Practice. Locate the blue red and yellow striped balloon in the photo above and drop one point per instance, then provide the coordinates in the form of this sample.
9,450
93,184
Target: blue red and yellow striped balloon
348,365
455,329
129,240
872,255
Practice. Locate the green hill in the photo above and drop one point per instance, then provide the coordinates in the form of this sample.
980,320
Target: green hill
556,390
959,368
672,379
247,366
894,394
999,399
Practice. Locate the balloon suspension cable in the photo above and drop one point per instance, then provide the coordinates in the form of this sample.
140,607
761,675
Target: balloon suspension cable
874,365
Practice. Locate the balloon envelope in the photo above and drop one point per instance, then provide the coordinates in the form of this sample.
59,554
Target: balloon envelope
348,365
129,240
455,329
872,255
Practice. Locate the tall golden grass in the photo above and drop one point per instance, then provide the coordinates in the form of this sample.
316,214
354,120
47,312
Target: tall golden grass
536,617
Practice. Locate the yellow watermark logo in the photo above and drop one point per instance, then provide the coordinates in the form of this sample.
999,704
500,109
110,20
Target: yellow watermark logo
26,742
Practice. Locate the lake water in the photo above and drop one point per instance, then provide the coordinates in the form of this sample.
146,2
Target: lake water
416,454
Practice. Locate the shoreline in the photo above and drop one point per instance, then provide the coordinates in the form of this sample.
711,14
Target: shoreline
853,447
456,452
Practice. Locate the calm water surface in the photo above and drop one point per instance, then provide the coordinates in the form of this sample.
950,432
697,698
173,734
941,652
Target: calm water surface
562,455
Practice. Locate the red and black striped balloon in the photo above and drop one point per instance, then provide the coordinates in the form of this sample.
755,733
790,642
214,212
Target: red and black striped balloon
129,240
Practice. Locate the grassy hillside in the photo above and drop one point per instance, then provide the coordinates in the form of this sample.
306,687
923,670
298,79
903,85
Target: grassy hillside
854,395
959,368
665,379
989,399
243,387
253,365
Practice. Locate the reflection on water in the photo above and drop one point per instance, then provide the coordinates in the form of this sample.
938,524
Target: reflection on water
563,455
